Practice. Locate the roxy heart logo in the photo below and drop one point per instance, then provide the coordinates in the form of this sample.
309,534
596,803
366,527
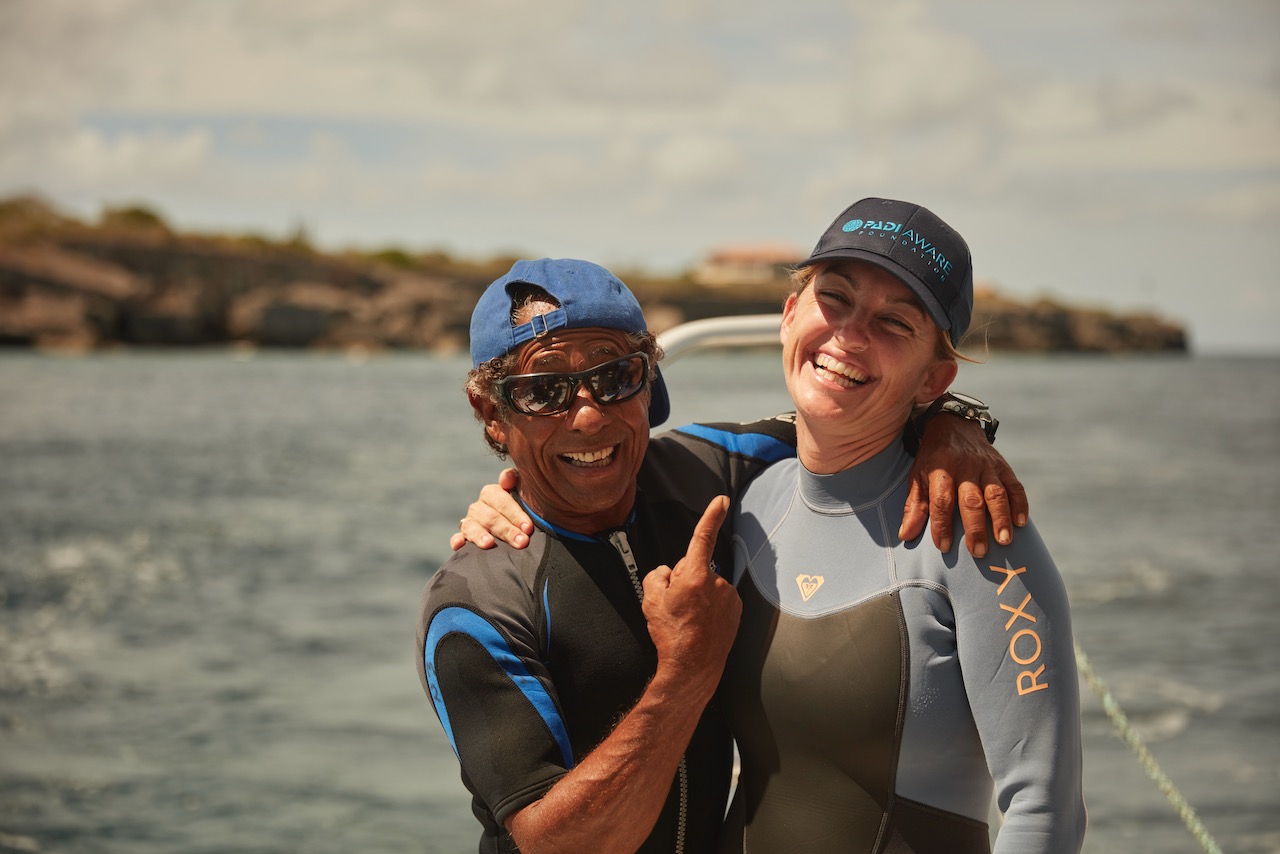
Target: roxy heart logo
809,584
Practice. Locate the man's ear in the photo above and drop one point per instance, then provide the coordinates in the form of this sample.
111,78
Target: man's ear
937,380
494,426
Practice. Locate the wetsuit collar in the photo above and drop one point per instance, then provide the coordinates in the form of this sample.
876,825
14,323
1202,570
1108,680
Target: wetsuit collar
565,533
857,487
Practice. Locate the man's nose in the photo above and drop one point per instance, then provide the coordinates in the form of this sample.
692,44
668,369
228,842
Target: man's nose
585,413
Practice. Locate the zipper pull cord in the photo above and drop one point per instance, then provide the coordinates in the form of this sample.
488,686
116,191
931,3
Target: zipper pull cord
620,542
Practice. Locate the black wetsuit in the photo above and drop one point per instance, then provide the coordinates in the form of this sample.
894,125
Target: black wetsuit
531,656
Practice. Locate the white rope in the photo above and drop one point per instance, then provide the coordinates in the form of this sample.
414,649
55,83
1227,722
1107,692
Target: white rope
1145,759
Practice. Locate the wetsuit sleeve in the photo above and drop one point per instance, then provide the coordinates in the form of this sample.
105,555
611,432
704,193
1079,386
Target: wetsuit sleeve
1014,639
479,663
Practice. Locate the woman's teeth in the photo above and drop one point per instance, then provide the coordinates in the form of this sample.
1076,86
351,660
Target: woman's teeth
838,372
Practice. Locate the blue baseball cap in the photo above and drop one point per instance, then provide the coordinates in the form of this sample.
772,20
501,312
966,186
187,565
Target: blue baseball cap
589,296
911,242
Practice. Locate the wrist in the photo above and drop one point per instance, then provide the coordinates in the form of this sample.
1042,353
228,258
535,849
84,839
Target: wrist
686,686
956,404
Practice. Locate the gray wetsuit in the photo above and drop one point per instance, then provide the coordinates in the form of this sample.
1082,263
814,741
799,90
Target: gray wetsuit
881,690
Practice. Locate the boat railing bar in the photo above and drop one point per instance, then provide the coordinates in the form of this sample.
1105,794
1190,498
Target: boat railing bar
747,330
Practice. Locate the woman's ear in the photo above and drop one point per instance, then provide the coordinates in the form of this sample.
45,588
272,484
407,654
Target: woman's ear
788,314
937,379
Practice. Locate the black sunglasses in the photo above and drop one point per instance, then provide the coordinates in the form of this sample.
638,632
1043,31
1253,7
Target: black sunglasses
552,393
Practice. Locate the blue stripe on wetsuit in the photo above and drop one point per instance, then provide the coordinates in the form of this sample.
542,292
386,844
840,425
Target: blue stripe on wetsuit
546,609
756,445
471,624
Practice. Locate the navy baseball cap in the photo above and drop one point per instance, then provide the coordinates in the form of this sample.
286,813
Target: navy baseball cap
589,296
913,244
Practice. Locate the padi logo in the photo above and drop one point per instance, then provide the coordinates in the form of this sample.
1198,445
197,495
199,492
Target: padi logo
912,239
886,225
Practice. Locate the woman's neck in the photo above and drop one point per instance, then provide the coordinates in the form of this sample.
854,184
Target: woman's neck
830,450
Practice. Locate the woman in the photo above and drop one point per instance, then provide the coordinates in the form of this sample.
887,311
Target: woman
879,689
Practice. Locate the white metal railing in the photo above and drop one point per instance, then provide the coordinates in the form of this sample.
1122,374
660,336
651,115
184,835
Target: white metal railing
747,330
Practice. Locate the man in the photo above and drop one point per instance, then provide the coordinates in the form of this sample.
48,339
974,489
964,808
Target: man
576,677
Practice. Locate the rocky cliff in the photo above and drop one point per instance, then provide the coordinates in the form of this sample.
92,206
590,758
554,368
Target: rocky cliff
129,280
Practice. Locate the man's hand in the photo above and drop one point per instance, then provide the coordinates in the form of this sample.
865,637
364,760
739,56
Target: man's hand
495,514
955,458
692,612
612,798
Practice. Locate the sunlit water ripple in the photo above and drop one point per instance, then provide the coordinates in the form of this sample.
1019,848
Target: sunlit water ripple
209,568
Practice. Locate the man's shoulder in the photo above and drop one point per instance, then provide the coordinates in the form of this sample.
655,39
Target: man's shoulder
766,440
483,577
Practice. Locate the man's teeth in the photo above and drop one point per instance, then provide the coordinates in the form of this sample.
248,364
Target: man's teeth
834,369
590,458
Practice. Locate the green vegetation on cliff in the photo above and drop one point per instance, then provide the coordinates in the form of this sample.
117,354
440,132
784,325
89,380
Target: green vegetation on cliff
132,280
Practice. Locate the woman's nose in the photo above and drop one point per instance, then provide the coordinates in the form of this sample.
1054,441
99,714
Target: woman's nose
853,333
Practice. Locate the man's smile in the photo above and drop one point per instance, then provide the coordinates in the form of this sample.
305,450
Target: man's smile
590,459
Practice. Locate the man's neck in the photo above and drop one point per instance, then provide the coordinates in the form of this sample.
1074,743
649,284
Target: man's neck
586,527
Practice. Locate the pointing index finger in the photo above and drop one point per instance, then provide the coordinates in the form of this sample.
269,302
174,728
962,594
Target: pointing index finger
703,542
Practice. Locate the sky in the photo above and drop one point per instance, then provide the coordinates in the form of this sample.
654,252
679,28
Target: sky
1104,153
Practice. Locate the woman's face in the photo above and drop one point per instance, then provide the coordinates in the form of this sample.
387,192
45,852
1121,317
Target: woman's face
858,350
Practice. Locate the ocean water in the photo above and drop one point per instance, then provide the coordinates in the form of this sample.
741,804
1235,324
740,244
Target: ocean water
210,565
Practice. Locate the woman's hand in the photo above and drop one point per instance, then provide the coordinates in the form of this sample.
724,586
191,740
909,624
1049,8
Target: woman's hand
495,514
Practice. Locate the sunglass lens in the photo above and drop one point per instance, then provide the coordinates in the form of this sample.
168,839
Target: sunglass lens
548,394
537,395
618,381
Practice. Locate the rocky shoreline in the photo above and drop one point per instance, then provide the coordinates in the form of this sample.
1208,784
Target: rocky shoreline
130,281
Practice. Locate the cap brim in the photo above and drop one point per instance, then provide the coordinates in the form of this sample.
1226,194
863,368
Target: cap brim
904,275
659,402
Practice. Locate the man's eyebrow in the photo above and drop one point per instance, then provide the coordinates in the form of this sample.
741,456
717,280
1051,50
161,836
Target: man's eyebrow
546,360
554,358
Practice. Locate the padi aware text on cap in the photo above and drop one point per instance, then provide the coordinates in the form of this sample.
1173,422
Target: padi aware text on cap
589,296
913,244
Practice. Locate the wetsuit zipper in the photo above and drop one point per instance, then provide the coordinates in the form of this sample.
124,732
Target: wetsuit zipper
619,541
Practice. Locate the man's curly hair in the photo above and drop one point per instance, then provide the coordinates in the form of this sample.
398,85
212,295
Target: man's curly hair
482,382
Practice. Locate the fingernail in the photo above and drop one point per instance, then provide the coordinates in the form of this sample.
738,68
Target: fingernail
1021,521
946,545
980,551
1003,537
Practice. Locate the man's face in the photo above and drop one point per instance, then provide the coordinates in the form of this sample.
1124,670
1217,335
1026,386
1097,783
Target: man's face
577,468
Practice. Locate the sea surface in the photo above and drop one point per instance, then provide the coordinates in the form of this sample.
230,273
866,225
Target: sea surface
210,564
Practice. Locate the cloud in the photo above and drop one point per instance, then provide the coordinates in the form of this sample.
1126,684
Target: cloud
686,122
1110,127
695,160
81,159
905,74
